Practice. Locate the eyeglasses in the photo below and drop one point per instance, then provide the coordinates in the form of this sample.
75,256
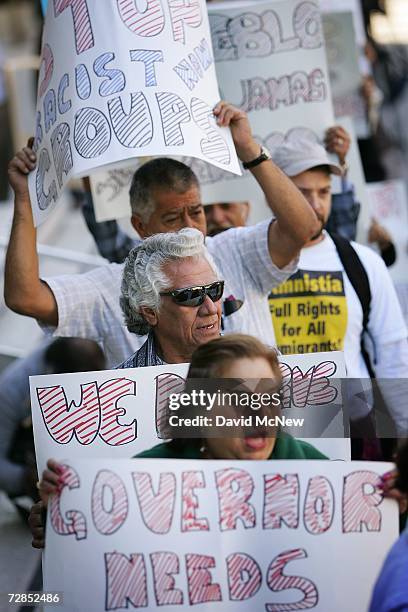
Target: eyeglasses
195,296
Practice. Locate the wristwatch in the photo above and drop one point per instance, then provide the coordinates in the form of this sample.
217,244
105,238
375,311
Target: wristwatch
264,156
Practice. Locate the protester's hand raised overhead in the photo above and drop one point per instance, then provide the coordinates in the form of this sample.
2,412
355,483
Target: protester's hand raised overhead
338,141
19,168
24,292
229,116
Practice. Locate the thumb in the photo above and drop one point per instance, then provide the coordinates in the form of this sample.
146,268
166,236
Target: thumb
30,142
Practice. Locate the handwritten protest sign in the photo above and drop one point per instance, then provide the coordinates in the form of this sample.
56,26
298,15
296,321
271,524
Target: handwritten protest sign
339,6
110,191
389,206
119,80
114,413
217,535
270,62
344,70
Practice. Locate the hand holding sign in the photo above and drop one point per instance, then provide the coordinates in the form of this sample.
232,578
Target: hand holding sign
20,166
230,116
274,535
147,87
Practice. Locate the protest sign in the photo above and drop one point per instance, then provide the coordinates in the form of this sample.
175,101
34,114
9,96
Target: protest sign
110,191
217,535
271,62
344,70
389,206
340,6
120,80
114,413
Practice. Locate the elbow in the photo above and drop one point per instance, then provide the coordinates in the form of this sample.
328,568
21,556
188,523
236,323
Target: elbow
308,231
9,300
19,303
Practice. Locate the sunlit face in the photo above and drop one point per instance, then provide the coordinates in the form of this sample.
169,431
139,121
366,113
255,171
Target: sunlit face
315,185
180,329
254,447
173,212
224,215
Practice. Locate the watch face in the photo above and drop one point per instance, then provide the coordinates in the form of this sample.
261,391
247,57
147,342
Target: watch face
266,152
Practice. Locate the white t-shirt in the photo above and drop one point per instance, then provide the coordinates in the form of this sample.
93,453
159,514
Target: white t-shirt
88,304
317,309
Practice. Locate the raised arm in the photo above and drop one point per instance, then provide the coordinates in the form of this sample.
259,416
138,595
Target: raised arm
24,291
296,223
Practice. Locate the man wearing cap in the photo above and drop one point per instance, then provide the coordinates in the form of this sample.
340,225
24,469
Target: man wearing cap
321,307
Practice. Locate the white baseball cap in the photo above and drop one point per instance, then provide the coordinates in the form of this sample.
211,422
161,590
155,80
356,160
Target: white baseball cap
296,156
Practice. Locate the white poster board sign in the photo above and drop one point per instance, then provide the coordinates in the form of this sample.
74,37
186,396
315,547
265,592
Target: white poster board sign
271,62
113,413
344,70
389,206
110,191
217,535
339,6
120,80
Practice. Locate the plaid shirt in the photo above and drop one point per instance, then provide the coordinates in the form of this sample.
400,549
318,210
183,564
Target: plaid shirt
144,357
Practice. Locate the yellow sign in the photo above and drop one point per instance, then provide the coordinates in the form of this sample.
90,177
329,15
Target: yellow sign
309,312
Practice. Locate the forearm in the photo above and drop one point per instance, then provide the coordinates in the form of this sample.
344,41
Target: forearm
22,286
295,218
21,272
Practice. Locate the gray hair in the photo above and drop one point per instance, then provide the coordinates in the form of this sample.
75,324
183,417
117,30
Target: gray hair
143,275
162,173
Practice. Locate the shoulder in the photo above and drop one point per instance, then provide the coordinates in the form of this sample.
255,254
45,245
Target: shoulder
130,362
287,447
391,588
367,255
106,275
236,234
160,451
374,265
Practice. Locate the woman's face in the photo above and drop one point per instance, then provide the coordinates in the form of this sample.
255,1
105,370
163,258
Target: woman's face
257,445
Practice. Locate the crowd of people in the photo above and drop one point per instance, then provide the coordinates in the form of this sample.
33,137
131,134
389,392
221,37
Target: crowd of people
185,297
195,284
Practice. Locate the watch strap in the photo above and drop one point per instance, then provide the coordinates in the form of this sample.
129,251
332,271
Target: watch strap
264,156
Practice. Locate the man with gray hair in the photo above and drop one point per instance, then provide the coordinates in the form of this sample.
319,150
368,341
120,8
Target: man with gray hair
171,291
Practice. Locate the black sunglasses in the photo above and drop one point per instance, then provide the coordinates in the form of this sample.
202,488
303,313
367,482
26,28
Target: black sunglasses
195,296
